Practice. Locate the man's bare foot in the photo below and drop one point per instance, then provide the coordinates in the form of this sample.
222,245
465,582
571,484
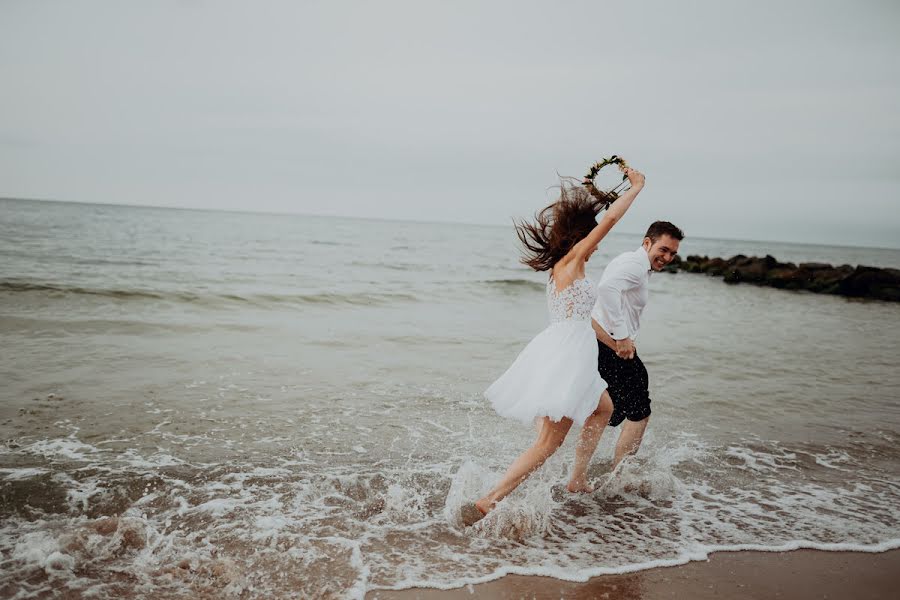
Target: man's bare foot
642,489
580,486
472,513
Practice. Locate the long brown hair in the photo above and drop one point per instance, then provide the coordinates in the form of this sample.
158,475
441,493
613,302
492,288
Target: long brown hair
558,227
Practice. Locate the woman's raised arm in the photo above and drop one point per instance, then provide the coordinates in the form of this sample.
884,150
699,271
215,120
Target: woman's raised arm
615,212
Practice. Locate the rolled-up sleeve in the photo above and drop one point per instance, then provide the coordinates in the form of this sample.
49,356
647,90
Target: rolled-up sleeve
609,309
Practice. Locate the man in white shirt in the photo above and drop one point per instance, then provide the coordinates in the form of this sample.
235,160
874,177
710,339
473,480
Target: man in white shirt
616,319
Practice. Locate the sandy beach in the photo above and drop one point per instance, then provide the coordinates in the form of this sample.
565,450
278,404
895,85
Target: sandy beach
798,575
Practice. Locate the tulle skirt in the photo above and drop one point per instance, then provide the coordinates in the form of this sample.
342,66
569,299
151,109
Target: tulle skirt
554,376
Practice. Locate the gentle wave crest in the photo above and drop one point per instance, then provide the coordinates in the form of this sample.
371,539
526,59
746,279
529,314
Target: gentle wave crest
515,284
54,290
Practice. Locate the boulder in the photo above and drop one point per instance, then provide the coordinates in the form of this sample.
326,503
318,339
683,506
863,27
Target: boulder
870,282
693,263
785,277
715,267
825,281
814,266
751,270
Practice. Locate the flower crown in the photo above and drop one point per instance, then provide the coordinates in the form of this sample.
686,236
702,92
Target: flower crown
595,168
606,198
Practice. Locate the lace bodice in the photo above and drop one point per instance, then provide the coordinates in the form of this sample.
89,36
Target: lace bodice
574,303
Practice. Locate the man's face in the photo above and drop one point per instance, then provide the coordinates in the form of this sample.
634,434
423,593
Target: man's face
661,252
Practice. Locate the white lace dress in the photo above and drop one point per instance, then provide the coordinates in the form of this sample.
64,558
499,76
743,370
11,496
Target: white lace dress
556,374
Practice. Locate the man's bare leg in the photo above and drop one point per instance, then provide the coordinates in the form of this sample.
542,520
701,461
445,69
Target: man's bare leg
587,443
630,439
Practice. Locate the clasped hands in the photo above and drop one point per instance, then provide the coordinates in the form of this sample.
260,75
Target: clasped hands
625,348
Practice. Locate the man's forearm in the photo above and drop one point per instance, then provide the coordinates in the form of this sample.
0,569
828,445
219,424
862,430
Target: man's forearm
610,297
604,337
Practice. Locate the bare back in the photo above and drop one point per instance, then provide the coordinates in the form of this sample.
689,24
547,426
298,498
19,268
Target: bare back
569,268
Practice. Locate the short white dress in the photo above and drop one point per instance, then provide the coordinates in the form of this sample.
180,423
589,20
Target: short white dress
556,374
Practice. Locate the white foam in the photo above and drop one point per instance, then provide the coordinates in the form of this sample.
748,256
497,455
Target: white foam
470,482
218,506
269,472
386,512
78,493
69,447
159,459
35,548
267,528
22,473
757,460
835,459
357,590
632,478
58,561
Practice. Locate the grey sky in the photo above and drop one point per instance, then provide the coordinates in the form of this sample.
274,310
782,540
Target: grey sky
759,120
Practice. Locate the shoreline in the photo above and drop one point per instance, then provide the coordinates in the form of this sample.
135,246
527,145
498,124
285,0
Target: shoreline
794,574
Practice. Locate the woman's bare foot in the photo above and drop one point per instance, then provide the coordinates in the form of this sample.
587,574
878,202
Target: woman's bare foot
580,486
485,506
472,513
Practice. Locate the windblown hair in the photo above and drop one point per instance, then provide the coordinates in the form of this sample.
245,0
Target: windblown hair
557,228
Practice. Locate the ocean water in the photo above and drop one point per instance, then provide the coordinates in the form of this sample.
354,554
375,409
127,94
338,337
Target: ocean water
206,405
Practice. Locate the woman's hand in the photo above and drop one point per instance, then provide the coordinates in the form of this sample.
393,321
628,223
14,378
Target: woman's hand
613,214
635,178
625,348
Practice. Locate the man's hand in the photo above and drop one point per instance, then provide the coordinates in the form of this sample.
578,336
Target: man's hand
625,348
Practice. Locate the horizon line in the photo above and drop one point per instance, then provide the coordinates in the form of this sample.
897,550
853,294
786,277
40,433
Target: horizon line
400,220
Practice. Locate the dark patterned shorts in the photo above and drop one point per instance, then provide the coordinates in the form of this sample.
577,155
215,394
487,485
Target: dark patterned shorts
628,385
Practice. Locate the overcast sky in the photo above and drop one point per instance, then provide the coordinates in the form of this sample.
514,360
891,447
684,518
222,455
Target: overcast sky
754,120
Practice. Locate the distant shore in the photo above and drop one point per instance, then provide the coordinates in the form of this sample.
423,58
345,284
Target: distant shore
844,280
797,575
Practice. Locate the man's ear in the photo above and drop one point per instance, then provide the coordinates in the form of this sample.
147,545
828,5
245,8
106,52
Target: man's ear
647,243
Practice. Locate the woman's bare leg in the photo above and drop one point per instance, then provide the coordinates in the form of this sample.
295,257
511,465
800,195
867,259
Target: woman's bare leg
587,443
551,437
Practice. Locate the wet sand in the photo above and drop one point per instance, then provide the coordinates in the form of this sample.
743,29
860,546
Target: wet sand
797,575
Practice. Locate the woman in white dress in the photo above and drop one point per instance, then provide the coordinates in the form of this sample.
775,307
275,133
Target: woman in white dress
555,378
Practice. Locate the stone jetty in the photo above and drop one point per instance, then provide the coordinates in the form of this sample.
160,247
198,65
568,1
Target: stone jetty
820,278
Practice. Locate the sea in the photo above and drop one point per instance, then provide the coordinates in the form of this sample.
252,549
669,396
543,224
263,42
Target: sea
201,404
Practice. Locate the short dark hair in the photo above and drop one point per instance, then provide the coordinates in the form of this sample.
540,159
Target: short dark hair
661,228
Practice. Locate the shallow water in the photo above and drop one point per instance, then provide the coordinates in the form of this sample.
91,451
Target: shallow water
201,404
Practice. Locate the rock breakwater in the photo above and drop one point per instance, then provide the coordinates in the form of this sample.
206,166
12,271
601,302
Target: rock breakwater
820,278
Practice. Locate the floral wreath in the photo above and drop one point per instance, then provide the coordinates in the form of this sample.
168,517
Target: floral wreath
595,168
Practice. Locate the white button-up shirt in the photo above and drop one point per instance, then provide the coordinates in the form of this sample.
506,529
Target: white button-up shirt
623,294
